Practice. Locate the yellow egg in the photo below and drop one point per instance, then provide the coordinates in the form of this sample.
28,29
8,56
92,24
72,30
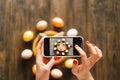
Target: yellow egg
69,63
28,36
41,25
34,69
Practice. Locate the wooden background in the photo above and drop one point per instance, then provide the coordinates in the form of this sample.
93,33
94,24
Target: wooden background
96,20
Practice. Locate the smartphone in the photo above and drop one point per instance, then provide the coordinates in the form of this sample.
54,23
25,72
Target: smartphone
62,46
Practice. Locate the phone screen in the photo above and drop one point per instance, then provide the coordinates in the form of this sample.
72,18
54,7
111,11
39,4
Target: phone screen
62,46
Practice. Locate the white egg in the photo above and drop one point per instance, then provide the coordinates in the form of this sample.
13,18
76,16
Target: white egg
26,54
72,32
56,73
41,25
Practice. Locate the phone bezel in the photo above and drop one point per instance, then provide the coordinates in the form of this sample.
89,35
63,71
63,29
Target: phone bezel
82,42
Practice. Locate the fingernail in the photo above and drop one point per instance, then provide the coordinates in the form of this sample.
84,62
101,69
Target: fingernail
55,58
74,61
76,45
88,42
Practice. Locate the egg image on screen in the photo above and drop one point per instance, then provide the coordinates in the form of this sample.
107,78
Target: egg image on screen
61,46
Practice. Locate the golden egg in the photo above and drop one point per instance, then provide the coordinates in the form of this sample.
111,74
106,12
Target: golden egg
57,22
34,69
28,36
69,63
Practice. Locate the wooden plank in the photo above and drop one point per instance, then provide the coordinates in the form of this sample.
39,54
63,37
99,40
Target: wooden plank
96,20
103,14
4,24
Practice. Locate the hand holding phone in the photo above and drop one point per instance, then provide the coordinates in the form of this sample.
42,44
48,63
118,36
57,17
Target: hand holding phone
61,46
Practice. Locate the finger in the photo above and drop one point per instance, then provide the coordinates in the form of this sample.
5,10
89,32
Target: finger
75,66
91,61
92,50
75,63
82,53
39,46
39,57
99,53
52,62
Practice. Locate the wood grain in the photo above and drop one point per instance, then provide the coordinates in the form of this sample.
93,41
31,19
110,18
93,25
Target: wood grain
96,20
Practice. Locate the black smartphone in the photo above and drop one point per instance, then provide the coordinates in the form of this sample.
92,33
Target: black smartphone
62,46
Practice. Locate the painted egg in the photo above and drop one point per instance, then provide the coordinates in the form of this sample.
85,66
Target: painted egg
28,36
72,32
34,69
69,63
26,54
56,73
41,25
57,22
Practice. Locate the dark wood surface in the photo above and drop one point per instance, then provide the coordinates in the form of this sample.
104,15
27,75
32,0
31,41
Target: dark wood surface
96,20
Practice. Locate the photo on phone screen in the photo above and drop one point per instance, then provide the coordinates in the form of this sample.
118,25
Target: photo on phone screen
62,46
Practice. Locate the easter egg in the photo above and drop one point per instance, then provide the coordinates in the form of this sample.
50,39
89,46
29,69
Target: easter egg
26,54
34,69
56,73
28,36
57,22
72,32
69,63
41,25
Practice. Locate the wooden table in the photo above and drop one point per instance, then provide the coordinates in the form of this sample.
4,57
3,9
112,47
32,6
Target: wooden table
96,20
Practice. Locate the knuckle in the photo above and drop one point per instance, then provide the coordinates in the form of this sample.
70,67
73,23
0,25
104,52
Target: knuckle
100,56
46,69
95,54
82,55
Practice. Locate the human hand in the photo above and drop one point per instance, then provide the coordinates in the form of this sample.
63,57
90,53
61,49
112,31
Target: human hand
82,71
43,66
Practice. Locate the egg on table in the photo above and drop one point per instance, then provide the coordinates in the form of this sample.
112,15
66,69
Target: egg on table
57,22
56,73
34,69
41,25
72,32
69,63
28,35
26,54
